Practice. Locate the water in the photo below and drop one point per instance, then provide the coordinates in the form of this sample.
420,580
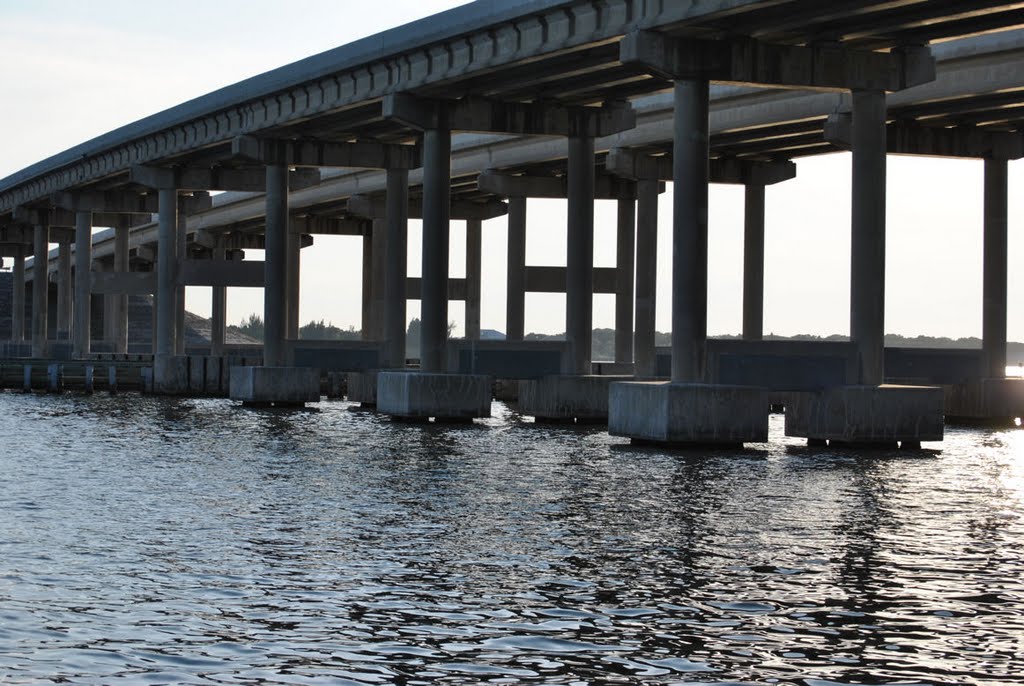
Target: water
147,540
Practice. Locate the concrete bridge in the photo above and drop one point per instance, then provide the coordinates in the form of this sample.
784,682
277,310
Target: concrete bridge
464,116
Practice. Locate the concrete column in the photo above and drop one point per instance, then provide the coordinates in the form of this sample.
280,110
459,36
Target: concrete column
646,275
40,249
166,271
179,291
275,304
218,308
83,285
473,277
437,150
579,268
377,268
18,300
64,291
994,294
367,288
397,219
690,177
515,298
753,263
867,244
624,259
293,269
120,311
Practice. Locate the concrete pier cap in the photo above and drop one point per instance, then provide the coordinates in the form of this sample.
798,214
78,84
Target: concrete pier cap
868,415
688,414
413,395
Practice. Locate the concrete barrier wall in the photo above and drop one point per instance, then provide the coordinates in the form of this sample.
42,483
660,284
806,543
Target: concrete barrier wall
775,365
337,356
933,365
508,359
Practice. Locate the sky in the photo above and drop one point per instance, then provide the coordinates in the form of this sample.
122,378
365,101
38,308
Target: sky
70,71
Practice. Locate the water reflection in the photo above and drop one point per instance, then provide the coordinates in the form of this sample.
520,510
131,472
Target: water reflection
149,540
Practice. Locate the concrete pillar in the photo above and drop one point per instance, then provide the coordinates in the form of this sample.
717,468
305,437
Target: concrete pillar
473,277
83,285
166,271
646,276
515,298
179,291
120,302
377,268
293,269
624,259
397,219
18,300
994,294
39,290
579,268
275,304
367,288
437,150
867,244
753,263
218,308
64,291
690,177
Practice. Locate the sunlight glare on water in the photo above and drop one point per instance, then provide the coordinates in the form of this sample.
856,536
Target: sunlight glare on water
150,540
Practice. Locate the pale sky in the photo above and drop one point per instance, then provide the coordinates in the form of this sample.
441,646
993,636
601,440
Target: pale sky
70,71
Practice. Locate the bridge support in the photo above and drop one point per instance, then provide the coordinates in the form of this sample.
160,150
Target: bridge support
18,300
180,247
474,256
83,286
397,221
868,413
64,290
218,307
579,265
646,276
686,410
40,299
753,262
625,252
515,302
119,311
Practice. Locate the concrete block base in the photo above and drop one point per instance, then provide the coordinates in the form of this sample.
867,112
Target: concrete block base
275,386
567,398
688,414
171,375
445,397
362,388
996,401
868,415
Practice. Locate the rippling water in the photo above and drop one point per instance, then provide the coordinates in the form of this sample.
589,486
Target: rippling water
147,540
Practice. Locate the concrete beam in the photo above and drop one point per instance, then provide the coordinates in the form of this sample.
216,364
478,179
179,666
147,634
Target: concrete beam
552,280
747,61
330,226
373,207
105,201
493,116
248,179
909,138
220,273
414,288
510,186
366,155
13,250
634,165
122,283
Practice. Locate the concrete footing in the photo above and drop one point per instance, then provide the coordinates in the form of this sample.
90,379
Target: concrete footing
986,401
868,415
567,398
445,397
171,375
362,388
688,414
275,386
